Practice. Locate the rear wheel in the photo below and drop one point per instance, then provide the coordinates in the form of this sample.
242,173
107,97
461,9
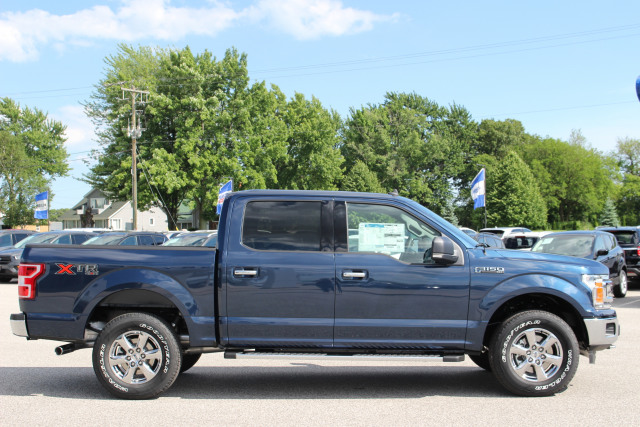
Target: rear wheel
620,290
534,353
136,356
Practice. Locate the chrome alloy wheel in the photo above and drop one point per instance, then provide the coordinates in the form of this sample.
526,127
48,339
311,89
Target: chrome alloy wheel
135,357
536,355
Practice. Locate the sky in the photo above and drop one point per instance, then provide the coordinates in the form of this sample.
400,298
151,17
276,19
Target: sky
557,67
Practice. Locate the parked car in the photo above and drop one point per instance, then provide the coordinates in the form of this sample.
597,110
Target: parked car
209,239
629,240
523,241
504,232
10,258
490,240
596,245
11,237
468,231
128,238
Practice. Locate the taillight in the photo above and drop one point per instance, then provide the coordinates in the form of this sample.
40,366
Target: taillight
27,276
638,250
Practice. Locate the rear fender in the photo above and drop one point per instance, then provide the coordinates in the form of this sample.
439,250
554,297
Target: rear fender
200,324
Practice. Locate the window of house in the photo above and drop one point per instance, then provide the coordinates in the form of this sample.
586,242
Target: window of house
97,203
284,226
115,224
151,221
390,231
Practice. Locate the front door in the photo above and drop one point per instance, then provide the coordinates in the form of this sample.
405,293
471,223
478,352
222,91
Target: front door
389,293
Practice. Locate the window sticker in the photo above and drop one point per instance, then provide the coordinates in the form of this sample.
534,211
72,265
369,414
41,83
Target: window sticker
381,237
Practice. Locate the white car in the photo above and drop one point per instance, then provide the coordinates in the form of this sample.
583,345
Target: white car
503,232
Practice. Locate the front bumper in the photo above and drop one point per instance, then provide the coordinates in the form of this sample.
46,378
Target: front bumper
603,332
19,325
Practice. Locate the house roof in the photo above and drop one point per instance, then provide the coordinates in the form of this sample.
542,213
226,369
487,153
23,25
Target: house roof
72,214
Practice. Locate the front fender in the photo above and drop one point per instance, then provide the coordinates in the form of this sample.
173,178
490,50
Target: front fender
486,298
576,295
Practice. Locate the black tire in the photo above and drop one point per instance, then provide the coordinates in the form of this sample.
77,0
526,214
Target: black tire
136,356
188,360
482,360
534,353
620,290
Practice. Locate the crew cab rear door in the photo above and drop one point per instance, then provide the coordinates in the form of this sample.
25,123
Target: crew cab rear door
280,274
389,295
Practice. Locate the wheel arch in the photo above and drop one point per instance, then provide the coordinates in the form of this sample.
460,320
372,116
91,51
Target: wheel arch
538,301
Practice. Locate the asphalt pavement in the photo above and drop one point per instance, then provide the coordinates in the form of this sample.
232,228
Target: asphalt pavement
38,388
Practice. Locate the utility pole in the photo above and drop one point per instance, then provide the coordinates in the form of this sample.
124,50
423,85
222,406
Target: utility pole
134,131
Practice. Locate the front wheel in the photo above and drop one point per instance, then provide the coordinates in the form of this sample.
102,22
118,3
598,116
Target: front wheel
620,290
535,353
136,356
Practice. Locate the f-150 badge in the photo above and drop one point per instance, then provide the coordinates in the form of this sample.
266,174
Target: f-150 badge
491,270
88,269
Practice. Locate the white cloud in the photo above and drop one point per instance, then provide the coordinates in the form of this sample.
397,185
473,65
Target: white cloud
311,19
80,131
24,34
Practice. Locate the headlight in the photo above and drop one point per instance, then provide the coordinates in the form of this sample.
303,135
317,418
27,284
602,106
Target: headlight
601,289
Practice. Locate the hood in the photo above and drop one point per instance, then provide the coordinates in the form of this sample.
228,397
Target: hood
549,263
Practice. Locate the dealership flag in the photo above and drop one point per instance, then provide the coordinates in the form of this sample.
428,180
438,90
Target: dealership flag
477,190
224,190
42,206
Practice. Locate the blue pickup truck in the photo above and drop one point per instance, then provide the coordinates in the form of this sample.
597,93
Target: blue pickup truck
308,274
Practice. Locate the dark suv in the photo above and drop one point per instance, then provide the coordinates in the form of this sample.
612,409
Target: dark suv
9,238
597,245
629,240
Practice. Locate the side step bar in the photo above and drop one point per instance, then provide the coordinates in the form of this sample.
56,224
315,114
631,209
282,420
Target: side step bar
342,356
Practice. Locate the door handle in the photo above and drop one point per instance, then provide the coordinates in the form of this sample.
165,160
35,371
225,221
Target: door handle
245,272
349,274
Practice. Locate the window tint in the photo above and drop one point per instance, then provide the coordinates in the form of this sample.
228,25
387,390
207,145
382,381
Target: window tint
78,239
284,226
390,231
63,240
158,240
600,244
5,240
129,241
146,240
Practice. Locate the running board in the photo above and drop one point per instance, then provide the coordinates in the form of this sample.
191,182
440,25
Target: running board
355,356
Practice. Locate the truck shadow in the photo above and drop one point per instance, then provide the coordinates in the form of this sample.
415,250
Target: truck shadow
301,381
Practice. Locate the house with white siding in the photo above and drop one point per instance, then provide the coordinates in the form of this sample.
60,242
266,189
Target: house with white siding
95,210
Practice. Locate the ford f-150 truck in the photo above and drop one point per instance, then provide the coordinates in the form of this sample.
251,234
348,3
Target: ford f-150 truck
318,274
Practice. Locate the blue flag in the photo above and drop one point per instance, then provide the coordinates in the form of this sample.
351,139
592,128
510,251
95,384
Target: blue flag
224,190
42,206
638,87
478,190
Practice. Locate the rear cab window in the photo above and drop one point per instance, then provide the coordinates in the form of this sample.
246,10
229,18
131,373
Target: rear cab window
282,225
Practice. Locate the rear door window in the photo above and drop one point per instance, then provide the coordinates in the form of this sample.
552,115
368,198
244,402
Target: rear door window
282,226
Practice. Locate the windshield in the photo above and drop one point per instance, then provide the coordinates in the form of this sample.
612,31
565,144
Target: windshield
572,245
187,240
105,239
624,237
36,238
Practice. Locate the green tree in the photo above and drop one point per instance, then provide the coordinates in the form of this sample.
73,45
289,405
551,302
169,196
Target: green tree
609,216
513,195
360,178
627,155
313,160
411,144
574,180
32,154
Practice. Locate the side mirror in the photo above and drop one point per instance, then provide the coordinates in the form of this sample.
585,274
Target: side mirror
443,251
602,252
